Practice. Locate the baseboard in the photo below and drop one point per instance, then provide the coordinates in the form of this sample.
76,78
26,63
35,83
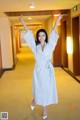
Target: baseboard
7,69
71,74
1,73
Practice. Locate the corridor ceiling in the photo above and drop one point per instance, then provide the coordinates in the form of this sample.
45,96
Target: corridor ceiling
14,8
23,5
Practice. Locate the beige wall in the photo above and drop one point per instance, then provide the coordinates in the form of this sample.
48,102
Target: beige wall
6,44
48,24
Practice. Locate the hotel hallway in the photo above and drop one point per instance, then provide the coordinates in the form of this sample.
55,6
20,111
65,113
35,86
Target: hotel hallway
16,92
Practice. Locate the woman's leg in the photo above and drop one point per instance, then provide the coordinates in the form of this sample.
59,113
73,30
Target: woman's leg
33,102
44,111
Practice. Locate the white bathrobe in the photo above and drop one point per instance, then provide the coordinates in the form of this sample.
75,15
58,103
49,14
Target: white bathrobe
43,84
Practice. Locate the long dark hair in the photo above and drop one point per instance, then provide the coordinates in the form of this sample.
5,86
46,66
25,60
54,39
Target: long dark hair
37,36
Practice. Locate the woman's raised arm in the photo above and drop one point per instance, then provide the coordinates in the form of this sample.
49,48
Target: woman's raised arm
24,24
57,21
28,36
54,35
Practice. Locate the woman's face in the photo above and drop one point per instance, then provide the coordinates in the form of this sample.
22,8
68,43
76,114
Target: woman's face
42,37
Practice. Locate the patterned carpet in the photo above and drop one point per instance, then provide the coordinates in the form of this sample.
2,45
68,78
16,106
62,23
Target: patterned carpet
16,92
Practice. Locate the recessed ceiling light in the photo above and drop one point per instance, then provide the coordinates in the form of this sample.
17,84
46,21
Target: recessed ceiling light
56,14
32,5
29,18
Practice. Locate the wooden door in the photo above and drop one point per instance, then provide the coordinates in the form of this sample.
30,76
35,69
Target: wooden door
57,51
76,46
64,50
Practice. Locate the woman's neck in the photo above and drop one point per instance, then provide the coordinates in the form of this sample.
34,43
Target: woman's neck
42,46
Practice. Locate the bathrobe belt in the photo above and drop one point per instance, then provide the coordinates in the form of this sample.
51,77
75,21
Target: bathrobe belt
42,66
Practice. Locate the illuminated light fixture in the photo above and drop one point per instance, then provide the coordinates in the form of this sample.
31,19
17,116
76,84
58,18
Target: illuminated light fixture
56,14
29,18
69,45
75,8
32,5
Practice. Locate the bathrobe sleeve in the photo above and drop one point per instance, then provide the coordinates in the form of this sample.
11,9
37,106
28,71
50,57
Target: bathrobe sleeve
53,40
29,39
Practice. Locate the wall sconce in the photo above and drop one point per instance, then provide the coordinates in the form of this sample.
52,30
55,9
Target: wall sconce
69,45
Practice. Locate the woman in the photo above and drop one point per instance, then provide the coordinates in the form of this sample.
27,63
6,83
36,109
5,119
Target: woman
44,84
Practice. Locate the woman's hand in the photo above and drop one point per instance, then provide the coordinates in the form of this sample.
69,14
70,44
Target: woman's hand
56,23
59,17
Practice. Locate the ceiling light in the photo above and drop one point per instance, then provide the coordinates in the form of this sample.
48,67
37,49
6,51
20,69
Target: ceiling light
29,18
32,5
56,14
